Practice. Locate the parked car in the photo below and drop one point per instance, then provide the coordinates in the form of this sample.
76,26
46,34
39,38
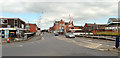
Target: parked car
56,34
70,35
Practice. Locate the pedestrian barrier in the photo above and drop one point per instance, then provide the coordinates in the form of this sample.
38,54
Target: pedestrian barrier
112,38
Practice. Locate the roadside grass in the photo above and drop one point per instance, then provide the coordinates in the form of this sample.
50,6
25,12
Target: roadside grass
108,33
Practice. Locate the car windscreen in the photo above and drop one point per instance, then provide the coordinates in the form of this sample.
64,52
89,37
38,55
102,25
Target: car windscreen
70,34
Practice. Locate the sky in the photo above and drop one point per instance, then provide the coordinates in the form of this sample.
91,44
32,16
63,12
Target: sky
47,11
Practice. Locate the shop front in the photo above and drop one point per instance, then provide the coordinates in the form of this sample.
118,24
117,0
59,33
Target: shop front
12,33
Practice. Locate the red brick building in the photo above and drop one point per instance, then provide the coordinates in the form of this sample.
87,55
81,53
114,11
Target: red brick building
89,27
61,26
69,26
78,27
31,27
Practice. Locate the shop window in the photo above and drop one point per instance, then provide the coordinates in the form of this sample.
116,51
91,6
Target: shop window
16,23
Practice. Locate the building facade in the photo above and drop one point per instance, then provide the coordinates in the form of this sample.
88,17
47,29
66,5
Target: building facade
113,24
12,27
61,26
31,27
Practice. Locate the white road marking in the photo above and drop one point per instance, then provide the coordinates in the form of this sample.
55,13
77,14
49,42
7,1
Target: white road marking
89,40
107,45
42,38
21,45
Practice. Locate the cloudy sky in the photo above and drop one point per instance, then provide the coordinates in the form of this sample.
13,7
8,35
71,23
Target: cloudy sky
81,11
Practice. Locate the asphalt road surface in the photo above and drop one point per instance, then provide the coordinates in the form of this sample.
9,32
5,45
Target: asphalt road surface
50,46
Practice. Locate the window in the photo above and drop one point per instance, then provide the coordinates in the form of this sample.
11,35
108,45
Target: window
16,23
60,24
62,27
59,27
22,25
8,26
4,21
70,25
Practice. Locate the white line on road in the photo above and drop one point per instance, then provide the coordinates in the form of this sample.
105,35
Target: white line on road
21,45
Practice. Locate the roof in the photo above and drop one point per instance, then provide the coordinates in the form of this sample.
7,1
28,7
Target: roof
90,24
78,26
9,18
32,24
113,20
101,24
13,18
57,21
75,29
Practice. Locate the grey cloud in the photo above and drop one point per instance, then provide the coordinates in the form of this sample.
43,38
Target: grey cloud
79,11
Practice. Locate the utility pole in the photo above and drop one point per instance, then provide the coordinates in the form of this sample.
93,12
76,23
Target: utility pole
70,17
38,23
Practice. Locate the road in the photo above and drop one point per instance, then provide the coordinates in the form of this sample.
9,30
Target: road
50,46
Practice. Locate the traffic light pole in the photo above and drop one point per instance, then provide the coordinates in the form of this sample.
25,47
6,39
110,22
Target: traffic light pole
117,41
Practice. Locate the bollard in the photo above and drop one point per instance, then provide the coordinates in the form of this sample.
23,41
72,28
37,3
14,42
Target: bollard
117,41
8,40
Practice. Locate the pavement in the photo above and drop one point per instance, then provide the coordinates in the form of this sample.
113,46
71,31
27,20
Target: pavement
20,40
98,44
51,45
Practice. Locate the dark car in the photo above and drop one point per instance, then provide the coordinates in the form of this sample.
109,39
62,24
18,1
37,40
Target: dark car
70,35
56,34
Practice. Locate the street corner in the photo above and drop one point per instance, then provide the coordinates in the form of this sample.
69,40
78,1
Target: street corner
108,48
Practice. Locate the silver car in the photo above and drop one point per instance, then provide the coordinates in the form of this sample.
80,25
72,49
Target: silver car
70,35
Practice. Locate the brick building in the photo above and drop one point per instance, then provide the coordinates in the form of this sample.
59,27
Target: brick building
69,26
31,27
89,27
11,27
61,26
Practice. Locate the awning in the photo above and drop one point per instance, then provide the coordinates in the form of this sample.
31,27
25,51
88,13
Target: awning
12,32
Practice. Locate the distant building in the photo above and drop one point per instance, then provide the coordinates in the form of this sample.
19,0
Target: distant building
89,27
113,24
61,27
69,26
78,27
